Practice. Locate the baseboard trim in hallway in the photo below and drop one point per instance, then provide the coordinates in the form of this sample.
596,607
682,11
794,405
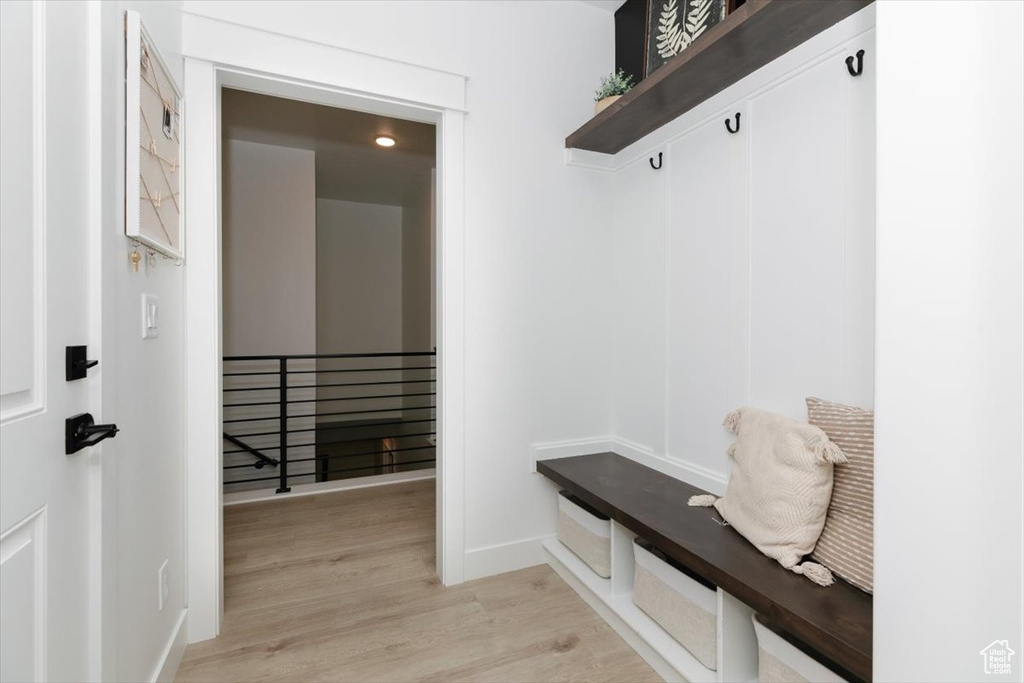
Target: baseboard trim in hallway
328,486
174,651
507,557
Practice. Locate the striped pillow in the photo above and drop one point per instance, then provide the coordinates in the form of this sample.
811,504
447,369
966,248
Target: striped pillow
846,546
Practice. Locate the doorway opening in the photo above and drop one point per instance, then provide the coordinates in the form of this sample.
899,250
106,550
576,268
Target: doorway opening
329,339
361,83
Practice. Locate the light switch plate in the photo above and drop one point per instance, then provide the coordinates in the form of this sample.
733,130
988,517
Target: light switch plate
150,316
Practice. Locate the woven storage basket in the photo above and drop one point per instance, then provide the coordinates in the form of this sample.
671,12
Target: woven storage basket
586,532
779,661
685,606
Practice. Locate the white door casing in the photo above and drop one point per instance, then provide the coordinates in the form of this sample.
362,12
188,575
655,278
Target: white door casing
46,576
224,54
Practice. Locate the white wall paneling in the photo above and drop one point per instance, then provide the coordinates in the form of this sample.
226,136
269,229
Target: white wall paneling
743,269
808,332
706,260
637,362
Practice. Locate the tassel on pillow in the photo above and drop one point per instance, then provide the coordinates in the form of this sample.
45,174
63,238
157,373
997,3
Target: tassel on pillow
829,452
817,573
704,501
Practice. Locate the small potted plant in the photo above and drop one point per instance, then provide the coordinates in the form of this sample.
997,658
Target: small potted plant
613,86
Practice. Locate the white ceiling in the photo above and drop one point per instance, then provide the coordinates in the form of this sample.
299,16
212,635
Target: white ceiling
608,5
349,164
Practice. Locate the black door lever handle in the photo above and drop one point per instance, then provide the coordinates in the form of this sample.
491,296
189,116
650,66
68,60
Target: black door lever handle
81,431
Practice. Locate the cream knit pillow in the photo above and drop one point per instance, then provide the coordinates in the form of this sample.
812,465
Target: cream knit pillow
780,487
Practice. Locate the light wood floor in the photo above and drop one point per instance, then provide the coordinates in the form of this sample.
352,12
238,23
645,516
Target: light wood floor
341,587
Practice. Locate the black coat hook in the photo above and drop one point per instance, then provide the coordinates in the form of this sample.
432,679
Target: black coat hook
728,124
860,64
651,160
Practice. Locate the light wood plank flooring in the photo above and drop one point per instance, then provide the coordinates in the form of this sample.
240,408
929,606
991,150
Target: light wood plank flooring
341,587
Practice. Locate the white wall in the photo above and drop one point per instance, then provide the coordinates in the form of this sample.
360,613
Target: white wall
269,242
142,390
743,268
418,267
358,277
949,534
537,242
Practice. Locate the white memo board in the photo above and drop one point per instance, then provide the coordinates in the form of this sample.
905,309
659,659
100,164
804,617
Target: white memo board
152,145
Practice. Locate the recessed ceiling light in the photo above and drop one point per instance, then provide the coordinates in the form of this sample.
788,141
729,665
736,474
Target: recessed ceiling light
385,141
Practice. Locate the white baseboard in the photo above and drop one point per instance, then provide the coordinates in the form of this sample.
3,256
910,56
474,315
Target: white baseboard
167,668
701,477
328,486
567,449
507,557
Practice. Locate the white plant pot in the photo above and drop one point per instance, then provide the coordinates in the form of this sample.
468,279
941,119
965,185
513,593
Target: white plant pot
601,105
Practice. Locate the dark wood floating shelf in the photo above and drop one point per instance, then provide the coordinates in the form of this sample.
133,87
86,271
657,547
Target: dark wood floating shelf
753,35
831,622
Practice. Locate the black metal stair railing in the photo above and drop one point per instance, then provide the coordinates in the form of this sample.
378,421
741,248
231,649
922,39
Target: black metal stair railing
327,416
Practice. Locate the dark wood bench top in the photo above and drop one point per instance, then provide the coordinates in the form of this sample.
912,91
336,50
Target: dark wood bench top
833,621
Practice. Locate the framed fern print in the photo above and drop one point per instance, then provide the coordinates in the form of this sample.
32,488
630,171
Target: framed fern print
673,25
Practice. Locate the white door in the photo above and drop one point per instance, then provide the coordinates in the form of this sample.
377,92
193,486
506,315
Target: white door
45,580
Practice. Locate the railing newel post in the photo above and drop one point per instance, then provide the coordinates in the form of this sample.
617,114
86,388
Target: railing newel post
283,468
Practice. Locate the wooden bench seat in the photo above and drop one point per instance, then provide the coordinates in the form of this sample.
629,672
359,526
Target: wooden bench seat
833,622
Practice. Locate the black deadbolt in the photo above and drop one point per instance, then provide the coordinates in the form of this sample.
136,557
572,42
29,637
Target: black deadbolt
76,365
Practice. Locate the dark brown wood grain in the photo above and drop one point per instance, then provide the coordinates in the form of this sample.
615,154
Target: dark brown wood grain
753,35
833,621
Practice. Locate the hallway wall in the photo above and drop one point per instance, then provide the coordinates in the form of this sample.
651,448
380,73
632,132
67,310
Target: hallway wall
269,247
537,239
358,277
418,268
142,389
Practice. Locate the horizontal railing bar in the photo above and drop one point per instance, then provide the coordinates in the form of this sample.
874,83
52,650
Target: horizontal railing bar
375,467
313,429
359,398
357,455
325,386
313,415
315,356
343,426
369,384
244,374
328,443
383,410
332,426
376,437
399,367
